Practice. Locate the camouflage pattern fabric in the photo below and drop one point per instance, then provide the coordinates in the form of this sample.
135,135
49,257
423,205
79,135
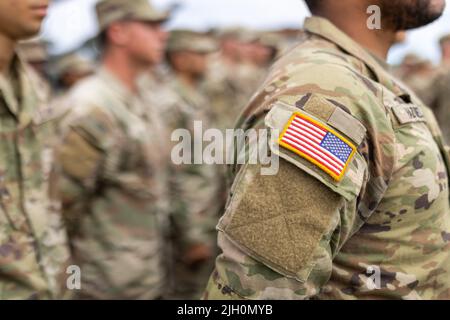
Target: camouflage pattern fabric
301,234
201,186
196,188
113,161
33,247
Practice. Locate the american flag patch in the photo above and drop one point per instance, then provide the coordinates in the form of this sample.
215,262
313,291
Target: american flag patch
317,143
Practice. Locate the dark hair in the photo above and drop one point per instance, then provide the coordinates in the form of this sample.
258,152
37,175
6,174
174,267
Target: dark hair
102,43
313,5
103,39
168,56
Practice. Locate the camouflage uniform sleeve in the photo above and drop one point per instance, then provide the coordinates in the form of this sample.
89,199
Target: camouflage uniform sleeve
194,210
280,233
83,156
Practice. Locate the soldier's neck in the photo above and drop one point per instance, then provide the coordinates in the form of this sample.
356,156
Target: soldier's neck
188,79
355,25
123,69
230,60
7,47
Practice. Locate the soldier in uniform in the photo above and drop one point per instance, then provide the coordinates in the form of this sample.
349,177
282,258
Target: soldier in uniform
33,247
70,69
199,184
113,159
187,55
265,50
359,208
260,55
438,90
230,80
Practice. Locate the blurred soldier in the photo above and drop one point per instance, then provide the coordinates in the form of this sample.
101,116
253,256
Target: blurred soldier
114,160
231,42
359,208
199,184
187,55
249,75
229,83
440,102
33,250
444,42
417,73
260,55
265,50
70,69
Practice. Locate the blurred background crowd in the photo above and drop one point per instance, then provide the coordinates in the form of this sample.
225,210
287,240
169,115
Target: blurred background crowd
216,56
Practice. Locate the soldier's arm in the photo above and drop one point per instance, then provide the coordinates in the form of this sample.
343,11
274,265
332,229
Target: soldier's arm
281,233
191,188
82,156
281,238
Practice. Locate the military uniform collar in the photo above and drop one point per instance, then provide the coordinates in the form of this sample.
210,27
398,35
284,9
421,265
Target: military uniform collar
122,92
325,29
191,96
132,101
7,90
24,106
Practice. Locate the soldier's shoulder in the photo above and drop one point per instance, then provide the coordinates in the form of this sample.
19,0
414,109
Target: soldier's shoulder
339,80
91,88
327,111
88,97
324,66
318,51
86,107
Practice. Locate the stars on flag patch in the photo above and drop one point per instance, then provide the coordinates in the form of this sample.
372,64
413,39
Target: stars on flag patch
318,144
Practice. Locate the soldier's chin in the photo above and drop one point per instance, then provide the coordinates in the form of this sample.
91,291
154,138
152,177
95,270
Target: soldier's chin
402,15
419,22
430,12
29,32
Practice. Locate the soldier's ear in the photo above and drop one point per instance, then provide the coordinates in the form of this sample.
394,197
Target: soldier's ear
117,34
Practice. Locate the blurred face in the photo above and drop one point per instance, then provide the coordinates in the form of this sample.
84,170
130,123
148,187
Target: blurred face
194,63
246,51
262,55
231,49
446,52
144,42
400,15
21,19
